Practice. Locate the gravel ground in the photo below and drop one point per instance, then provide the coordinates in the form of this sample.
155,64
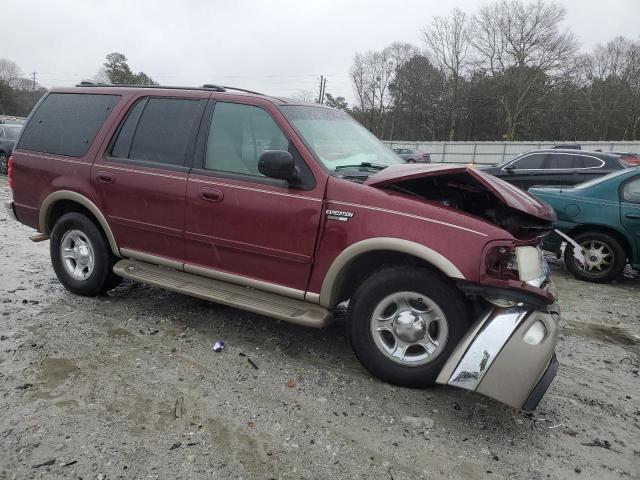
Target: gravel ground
128,386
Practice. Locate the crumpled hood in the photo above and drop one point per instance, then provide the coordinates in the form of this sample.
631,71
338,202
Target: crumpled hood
508,194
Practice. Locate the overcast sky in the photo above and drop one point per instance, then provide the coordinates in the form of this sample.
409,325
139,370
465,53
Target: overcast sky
277,47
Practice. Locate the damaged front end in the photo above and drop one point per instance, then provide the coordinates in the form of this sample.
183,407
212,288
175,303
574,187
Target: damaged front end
508,353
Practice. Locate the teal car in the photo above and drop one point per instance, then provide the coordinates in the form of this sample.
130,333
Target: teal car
603,217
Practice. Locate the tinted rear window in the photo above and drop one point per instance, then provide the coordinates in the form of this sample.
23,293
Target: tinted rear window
163,128
67,123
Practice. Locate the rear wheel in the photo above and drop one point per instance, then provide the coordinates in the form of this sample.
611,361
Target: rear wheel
4,163
411,160
605,258
404,323
81,256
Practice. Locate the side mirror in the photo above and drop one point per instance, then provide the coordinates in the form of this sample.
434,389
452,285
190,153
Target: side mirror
509,168
278,164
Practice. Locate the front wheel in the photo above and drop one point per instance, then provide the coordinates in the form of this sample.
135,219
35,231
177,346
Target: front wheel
81,256
404,324
605,258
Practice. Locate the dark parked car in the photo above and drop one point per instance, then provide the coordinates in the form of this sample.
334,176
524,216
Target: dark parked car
8,136
207,191
556,167
411,156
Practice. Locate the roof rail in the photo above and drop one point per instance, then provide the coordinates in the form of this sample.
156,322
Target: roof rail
206,86
226,87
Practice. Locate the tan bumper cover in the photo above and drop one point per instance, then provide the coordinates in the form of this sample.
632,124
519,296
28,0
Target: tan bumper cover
505,354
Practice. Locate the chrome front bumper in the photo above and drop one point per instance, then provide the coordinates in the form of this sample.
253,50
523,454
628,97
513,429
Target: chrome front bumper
506,355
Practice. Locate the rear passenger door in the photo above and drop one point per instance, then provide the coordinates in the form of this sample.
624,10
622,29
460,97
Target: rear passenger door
241,226
141,179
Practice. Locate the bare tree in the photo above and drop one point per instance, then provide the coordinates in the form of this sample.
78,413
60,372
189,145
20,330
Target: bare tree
448,41
10,72
304,95
522,44
399,54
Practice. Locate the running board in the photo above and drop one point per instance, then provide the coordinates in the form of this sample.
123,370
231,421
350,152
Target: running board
245,298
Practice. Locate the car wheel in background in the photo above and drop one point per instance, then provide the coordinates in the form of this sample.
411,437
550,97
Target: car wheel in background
411,160
605,258
4,163
404,323
81,256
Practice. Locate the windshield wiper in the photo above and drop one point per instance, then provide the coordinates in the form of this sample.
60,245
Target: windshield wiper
372,166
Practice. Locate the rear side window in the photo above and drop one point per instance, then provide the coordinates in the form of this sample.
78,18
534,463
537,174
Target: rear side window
591,162
239,134
67,123
562,161
529,162
158,130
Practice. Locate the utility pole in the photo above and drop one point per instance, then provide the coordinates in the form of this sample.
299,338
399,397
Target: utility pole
323,86
33,89
320,91
324,89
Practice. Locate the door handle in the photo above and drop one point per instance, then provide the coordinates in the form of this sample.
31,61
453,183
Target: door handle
105,177
633,216
211,194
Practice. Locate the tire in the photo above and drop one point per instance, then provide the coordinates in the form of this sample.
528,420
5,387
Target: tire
88,267
441,307
4,163
411,160
598,248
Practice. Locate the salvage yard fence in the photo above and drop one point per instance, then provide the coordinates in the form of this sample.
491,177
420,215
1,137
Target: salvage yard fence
498,152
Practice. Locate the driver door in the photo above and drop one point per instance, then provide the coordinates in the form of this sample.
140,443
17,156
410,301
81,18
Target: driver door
241,226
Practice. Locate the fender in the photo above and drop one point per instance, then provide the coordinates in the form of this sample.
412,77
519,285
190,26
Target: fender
341,263
53,198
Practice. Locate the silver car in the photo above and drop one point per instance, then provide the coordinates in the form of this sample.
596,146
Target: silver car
411,156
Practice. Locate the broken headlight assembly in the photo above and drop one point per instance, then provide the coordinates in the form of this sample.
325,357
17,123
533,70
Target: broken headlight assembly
508,262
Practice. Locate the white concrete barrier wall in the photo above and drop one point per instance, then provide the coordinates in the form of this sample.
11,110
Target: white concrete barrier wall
498,152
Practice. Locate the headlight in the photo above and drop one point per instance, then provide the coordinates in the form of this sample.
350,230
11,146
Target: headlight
529,261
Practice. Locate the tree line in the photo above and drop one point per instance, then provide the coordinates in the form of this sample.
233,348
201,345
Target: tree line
18,95
509,71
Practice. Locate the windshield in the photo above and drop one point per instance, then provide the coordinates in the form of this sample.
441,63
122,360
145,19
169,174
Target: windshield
11,133
596,181
337,139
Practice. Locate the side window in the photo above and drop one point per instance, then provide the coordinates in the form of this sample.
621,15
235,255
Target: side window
631,191
560,161
67,123
158,130
238,135
529,162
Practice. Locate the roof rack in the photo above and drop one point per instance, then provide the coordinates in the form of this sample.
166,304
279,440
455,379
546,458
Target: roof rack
206,86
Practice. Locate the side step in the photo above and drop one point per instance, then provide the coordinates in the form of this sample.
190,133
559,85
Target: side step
272,305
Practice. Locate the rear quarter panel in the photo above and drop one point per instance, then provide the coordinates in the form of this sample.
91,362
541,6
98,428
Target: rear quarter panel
38,174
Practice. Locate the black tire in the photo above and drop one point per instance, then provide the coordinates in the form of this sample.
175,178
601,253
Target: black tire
609,244
101,279
411,160
380,286
4,163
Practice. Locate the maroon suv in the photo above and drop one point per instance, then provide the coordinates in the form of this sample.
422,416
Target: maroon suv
288,210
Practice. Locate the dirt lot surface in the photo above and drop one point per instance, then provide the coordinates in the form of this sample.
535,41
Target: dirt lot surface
128,386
